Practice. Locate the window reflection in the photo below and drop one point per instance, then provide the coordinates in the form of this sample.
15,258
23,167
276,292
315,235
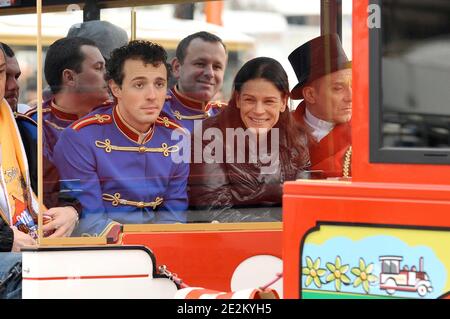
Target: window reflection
416,74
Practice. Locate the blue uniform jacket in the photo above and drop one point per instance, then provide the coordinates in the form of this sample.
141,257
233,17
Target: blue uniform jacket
185,110
119,175
54,121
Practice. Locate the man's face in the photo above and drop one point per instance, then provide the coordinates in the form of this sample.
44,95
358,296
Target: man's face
2,75
331,98
142,94
90,82
200,76
12,84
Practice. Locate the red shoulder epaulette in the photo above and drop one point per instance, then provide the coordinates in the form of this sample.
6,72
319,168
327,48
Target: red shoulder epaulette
20,116
164,121
215,104
94,119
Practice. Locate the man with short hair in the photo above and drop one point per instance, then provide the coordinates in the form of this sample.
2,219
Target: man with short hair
117,160
74,69
325,84
199,67
13,73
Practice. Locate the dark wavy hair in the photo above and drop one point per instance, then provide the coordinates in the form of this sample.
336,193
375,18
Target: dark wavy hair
271,70
148,52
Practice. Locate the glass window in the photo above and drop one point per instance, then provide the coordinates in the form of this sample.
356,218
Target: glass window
412,99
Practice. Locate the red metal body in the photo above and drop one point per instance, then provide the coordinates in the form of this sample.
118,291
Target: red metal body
378,194
207,258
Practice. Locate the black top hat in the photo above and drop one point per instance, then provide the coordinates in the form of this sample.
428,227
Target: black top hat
318,57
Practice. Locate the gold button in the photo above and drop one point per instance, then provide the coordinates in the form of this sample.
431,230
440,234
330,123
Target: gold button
140,204
142,149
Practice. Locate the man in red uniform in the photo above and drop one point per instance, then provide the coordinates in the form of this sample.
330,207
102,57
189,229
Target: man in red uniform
325,85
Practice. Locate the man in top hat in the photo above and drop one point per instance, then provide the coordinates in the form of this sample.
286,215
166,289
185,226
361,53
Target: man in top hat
325,85
199,68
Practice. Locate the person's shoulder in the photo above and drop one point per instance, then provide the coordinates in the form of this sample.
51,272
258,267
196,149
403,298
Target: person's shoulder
31,113
166,122
216,105
23,118
215,121
170,99
99,117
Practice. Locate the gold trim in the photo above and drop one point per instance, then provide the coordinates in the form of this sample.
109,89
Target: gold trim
116,200
141,228
347,163
166,122
71,241
180,116
100,118
165,149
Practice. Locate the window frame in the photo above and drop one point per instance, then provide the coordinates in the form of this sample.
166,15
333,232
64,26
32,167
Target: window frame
377,152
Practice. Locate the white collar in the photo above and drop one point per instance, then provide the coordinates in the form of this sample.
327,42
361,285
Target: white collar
320,128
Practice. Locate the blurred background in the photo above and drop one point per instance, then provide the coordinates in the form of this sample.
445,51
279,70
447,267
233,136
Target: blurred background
249,28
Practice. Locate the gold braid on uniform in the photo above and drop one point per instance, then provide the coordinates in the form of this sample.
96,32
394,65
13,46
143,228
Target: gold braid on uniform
165,149
116,200
347,163
179,116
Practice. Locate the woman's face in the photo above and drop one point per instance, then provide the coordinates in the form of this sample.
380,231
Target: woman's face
260,103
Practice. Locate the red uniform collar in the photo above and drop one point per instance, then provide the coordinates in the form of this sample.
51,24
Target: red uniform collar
129,132
187,101
60,113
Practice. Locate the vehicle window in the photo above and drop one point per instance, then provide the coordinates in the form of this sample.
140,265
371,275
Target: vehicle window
415,75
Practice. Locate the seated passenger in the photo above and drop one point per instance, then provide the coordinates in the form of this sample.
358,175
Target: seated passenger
199,68
325,84
64,212
117,160
26,125
18,204
235,181
75,71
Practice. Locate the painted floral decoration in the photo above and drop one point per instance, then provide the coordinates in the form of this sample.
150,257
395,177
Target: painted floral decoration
313,272
364,275
337,274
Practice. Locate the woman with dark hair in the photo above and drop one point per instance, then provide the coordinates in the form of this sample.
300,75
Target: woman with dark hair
248,150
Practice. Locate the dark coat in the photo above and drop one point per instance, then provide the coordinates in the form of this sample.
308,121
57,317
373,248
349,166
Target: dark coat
6,236
239,192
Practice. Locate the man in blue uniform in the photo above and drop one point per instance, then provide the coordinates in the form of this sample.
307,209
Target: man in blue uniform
118,160
75,70
199,67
